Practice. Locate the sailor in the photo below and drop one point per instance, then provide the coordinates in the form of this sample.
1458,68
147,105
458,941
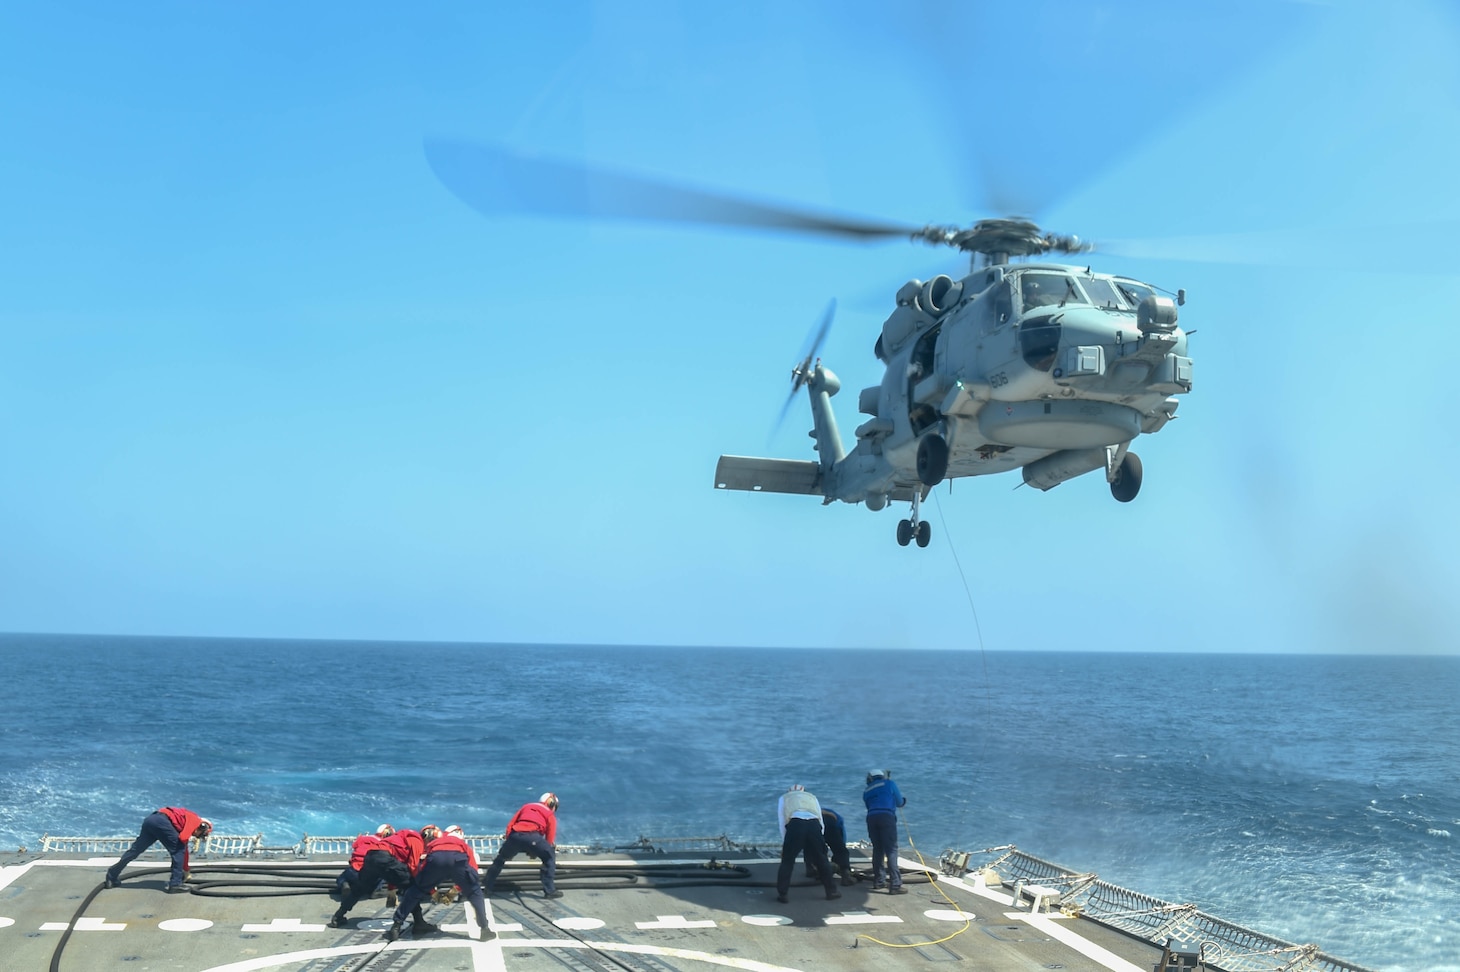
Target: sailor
449,859
173,827
800,819
883,799
395,860
533,830
362,846
834,831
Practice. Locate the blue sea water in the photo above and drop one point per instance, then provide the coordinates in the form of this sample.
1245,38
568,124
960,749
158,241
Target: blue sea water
1313,798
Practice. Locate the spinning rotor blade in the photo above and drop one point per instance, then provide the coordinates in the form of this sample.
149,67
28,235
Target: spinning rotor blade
495,180
800,375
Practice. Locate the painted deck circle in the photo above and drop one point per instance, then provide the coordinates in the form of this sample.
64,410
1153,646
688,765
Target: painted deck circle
765,920
945,914
579,923
184,924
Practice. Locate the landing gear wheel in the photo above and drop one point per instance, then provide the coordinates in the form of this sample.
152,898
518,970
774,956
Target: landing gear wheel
925,533
904,532
1127,482
932,459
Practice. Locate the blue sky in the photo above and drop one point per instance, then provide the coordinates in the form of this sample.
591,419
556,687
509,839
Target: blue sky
261,374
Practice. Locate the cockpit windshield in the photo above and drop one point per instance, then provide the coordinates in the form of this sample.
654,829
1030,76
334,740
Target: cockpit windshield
1047,289
1102,293
1134,292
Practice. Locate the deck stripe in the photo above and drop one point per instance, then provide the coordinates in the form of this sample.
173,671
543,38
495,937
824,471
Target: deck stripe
1061,932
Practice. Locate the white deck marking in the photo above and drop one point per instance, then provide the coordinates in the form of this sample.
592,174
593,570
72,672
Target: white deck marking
1054,928
671,921
861,918
577,923
487,957
765,920
185,924
6,922
499,926
12,871
482,951
284,925
948,914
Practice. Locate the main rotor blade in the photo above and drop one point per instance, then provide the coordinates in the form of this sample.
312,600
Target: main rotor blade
496,180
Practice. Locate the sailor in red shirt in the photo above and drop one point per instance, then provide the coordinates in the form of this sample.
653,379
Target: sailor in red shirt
449,860
394,859
173,827
533,831
364,844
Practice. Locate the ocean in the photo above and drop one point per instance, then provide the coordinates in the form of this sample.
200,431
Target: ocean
1311,798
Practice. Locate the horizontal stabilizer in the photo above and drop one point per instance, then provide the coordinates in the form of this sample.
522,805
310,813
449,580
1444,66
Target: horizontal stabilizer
768,475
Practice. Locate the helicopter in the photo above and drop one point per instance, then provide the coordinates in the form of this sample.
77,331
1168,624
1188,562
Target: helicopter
1047,368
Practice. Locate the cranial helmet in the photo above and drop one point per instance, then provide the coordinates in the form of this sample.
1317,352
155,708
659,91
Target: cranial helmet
430,832
878,774
455,831
204,828
384,830
549,800
797,786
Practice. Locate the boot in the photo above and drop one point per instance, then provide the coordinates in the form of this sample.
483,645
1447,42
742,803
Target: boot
420,929
392,933
337,920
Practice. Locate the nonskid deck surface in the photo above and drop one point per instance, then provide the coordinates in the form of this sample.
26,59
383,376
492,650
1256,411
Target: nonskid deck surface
619,912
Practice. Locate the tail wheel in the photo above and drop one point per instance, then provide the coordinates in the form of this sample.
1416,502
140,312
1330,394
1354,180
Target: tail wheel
932,459
1127,481
904,532
925,533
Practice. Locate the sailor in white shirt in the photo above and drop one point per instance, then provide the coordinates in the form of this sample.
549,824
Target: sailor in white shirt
800,818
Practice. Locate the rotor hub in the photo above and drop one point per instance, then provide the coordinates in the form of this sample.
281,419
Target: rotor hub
999,239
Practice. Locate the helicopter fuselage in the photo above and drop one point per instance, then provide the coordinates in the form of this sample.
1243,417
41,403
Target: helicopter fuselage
1046,368
1040,367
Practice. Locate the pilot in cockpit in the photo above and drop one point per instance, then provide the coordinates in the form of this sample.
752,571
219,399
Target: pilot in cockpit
1037,290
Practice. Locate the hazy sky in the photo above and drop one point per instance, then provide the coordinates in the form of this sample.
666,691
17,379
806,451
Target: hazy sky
261,374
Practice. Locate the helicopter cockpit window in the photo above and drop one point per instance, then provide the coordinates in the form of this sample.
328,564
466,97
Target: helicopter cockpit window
1049,289
1134,292
1102,293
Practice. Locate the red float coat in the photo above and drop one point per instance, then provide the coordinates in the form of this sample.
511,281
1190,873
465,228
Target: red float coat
535,817
364,844
451,842
407,847
185,821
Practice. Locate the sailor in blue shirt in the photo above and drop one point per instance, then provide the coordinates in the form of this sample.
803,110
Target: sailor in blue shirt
883,799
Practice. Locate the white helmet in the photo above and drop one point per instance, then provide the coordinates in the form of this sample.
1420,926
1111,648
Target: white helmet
549,800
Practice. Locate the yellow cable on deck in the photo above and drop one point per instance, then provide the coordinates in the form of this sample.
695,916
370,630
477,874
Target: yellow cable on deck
967,921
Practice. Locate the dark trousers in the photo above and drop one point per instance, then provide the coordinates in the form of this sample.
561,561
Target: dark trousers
443,867
533,844
377,866
882,831
836,849
155,829
803,835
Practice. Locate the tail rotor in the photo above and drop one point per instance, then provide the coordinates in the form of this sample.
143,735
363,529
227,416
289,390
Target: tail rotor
802,373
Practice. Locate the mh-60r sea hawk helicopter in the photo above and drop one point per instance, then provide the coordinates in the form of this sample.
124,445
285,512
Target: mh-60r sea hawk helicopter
1047,368
1051,369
